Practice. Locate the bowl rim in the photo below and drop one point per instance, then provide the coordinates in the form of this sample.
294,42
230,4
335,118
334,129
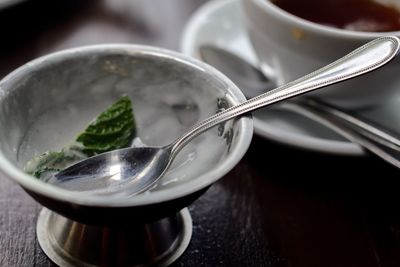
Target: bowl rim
38,187
282,15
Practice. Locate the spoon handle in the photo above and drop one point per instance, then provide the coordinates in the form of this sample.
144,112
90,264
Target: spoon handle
376,133
362,60
370,137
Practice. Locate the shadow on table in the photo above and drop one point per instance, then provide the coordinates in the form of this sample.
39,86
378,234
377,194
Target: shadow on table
360,180
317,209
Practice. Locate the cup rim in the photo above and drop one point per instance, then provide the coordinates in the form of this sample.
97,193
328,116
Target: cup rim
283,15
38,187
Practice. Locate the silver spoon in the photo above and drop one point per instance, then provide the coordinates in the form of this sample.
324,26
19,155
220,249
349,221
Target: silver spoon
252,81
134,170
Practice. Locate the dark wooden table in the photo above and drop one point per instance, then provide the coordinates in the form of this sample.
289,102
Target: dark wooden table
273,209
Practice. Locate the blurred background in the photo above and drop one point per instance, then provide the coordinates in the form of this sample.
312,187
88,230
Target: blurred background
34,27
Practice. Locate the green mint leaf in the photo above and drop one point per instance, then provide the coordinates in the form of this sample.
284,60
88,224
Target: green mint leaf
52,161
113,129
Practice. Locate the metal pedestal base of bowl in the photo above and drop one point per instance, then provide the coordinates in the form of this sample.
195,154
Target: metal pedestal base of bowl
69,243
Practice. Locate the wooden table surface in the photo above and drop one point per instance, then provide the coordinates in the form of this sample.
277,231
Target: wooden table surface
273,209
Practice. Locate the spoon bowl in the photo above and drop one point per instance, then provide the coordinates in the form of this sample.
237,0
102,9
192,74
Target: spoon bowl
114,170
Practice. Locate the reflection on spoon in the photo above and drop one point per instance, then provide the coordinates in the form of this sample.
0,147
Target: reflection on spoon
139,168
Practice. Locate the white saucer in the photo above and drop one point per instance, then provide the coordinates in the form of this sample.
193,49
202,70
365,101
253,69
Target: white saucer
219,22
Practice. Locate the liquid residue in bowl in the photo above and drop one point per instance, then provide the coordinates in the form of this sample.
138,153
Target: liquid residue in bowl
159,121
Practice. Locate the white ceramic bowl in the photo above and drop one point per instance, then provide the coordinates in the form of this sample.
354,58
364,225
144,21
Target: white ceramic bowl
289,47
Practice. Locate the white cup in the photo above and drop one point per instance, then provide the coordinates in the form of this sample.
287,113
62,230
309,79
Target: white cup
289,47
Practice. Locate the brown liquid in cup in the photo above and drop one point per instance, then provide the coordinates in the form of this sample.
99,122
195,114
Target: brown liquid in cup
356,15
